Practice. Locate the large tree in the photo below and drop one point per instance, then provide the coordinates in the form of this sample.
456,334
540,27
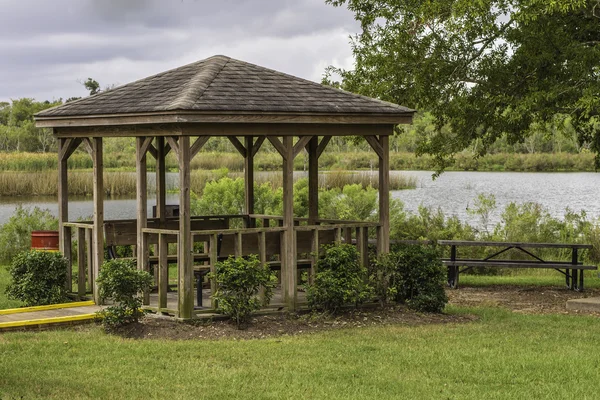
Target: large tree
483,68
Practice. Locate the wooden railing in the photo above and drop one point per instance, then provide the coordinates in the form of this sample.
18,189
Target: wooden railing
266,242
85,268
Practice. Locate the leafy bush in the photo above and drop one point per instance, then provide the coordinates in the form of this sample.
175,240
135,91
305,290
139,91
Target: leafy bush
120,281
413,275
38,278
239,281
340,280
15,234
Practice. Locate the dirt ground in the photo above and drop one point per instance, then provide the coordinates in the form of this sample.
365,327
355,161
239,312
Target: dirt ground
533,300
265,326
522,299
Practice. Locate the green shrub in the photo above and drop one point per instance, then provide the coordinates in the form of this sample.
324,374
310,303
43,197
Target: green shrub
38,278
340,280
15,234
412,275
239,281
120,281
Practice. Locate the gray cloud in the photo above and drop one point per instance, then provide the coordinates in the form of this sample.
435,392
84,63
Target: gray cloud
47,46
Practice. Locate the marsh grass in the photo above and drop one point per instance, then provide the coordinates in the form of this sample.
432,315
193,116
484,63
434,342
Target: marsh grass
80,183
266,160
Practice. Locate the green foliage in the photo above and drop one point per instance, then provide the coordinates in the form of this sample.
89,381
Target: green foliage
17,127
426,224
484,205
15,234
92,85
340,280
483,69
239,281
352,202
120,281
38,278
413,275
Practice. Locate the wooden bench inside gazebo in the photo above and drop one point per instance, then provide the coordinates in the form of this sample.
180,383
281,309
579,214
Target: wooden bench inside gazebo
179,111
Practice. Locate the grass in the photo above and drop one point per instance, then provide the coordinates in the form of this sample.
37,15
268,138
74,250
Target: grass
503,355
80,183
530,277
4,302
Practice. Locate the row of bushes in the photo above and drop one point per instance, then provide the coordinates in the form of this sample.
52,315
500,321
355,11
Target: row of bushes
355,160
411,275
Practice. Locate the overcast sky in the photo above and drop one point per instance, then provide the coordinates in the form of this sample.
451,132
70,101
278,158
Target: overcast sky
48,47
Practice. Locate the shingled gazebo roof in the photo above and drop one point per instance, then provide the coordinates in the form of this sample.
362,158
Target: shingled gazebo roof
223,85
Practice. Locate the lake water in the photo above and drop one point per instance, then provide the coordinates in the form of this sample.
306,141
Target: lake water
453,192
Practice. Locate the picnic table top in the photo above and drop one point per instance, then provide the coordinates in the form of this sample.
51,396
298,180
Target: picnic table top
514,244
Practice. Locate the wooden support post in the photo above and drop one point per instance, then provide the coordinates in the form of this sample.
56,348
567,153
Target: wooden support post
213,268
313,180
348,235
67,248
161,190
337,235
289,249
142,209
362,244
163,271
314,255
63,205
98,235
185,258
249,179
81,264
262,256
90,260
383,237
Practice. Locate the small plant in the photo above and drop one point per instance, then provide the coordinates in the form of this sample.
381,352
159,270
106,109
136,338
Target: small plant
239,281
340,280
38,278
120,281
413,275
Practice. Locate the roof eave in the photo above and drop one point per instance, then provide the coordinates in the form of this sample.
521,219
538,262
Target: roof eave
61,121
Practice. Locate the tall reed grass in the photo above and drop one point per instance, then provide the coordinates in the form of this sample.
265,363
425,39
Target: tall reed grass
271,161
80,183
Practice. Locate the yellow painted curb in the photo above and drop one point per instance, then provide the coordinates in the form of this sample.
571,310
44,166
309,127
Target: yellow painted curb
46,321
48,307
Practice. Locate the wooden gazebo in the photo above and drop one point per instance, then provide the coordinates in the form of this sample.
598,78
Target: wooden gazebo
178,111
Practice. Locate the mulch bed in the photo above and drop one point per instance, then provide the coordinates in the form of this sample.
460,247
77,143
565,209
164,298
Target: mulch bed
267,326
531,300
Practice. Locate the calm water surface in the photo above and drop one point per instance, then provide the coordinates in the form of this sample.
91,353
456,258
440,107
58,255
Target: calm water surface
453,192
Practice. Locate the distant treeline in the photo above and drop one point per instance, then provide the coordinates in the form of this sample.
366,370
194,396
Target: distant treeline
19,134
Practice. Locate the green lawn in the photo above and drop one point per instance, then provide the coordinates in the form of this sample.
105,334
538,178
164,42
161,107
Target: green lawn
529,277
503,355
4,281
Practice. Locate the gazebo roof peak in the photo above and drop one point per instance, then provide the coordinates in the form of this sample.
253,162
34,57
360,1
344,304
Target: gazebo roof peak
223,85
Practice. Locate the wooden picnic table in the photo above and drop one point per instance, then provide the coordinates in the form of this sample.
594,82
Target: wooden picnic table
573,270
